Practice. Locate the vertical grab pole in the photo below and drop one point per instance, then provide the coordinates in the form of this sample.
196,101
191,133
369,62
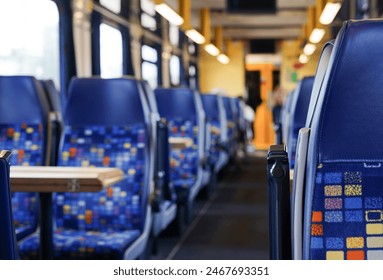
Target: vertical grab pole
279,203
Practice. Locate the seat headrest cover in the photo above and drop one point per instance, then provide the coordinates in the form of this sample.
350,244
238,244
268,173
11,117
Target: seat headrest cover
302,102
210,105
350,126
319,77
176,103
22,99
97,101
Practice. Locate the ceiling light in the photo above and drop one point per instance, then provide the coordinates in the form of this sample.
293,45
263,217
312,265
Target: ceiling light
195,36
211,49
168,13
223,58
303,58
309,49
317,35
329,13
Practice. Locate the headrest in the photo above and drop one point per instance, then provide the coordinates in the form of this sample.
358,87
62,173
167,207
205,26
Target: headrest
53,95
302,100
149,95
22,99
176,103
319,77
228,107
350,126
97,101
210,105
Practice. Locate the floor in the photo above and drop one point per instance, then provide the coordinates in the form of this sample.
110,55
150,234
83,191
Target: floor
233,224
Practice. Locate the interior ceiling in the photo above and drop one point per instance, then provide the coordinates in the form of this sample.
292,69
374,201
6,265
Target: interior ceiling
286,23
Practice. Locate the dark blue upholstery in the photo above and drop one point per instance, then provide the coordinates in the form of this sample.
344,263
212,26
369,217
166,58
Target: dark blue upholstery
53,95
300,106
24,132
177,106
211,107
7,234
106,125
231,123
344,176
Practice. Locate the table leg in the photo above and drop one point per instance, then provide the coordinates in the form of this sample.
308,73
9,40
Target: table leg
46,226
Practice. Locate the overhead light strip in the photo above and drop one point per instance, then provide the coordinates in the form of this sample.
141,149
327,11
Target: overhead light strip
168,13
329,13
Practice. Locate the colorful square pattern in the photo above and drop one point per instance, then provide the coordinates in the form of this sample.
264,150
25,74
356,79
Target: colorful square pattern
347,213
26,143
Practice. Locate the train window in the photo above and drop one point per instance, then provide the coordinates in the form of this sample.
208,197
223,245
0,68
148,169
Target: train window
150,73
29,41
191,48
174,35
193,76
175,68
149,65
149,54
111,55
113,5
148,15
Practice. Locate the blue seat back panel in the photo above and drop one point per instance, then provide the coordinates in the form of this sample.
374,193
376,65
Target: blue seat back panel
176,103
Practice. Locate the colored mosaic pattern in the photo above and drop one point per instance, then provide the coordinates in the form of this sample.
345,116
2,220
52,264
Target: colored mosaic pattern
183,162
215,140
71,244
26,143
347,213
116,208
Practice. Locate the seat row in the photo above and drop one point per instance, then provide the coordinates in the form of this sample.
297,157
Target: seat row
163,141
337,197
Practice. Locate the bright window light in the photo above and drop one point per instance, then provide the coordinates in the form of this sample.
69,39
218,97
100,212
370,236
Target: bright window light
111,57
317,35
329,13
211,49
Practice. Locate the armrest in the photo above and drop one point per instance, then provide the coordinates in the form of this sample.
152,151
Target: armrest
279,203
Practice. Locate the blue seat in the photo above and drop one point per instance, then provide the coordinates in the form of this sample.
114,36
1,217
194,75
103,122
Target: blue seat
285,117
107,124
8,248
299,108
53,95
231,125
182,109
343,175
216,116
24,131
166,207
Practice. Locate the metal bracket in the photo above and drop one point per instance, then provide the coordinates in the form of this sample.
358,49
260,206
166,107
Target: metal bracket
73,185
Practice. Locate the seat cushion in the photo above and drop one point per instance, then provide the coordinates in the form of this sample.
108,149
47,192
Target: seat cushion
183,162
74,244
26,143
347,212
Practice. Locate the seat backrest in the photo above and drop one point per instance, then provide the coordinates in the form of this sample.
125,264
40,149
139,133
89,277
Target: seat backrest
344,175
24,130
7,233
301,154
230,116
53,95
182,109
285,117
107,124
299,108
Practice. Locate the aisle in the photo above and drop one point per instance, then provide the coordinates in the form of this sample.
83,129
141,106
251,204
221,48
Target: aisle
233,224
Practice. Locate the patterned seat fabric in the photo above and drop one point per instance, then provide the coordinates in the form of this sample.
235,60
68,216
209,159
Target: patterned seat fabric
116,210
183,162
215,137
26,143
347,215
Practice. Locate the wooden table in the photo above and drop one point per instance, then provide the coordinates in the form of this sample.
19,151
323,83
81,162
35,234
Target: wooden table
46,180
180,142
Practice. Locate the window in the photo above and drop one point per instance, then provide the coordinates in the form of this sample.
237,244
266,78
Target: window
174,35
29,37
149,65
193,77
111,55
175,68
148,15
113,5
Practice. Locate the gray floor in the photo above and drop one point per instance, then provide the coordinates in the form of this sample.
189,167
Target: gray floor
233,224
